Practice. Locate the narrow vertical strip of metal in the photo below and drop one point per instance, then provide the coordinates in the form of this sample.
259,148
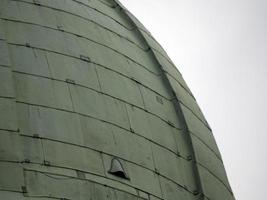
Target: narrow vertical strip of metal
9,66
176,103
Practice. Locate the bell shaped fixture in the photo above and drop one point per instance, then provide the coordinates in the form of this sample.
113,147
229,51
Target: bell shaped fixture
117,169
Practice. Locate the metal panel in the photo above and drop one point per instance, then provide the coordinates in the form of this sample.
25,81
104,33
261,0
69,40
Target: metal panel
12,178
96,134
116,112
207,158
168,164
50,123
17,148
2,34
27,119
131,147
139,120
151,127
189,175
83,82
151,80
213,188
171,70
71,156
199,130
8,120
6,86
118,86
165,110
87,102
122,196
4,58
186,98
9,9
42,91
10,195
112,183
28,60
154,44
171,190
162,133
9,150
183,143
67,68
56,186
140,177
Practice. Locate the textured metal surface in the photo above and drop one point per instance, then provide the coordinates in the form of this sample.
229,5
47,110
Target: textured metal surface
83,82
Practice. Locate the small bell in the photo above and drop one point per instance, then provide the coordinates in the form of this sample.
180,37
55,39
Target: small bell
116,169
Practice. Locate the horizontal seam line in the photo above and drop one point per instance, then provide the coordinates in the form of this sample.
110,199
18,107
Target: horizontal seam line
86,5
7,97
74,169
5,66
88,87
175,79
79,36
104,121
85,86
129,29
190,109
7,190
117,51
72,56
91,40
89,180
150,36
215,176
100,92
218,157
9,130
104,67
86,19
112,155
106,4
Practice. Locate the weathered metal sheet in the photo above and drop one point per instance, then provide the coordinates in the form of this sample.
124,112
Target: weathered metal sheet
84,83
42,91
11,177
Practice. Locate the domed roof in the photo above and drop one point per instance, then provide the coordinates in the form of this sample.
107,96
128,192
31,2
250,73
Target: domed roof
91,107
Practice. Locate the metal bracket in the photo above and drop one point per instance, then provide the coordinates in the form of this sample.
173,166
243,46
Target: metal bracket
159,100
70,81
85,58
80,174
36,135
170,123
47,163
36,2
24,189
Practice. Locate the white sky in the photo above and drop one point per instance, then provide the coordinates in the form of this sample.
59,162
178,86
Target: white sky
220,48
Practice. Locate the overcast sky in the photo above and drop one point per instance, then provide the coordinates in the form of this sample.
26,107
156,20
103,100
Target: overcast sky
220,47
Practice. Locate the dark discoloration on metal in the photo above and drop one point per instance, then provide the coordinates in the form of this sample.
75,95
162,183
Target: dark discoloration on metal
83,82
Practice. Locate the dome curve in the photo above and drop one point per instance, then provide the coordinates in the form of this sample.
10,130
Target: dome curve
83,83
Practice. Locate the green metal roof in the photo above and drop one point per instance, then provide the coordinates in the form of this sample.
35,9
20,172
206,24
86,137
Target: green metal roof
84,83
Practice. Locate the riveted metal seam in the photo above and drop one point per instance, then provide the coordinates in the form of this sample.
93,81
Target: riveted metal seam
113,96
100,92
92,40
106,153
113,71
116,125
